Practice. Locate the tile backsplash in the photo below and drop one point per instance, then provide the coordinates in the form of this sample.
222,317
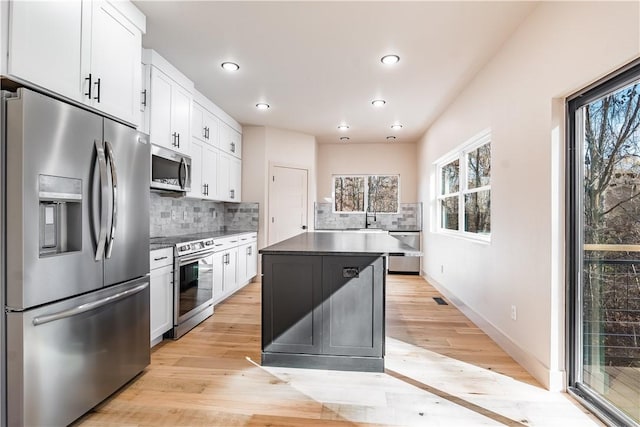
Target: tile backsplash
171,216
409,218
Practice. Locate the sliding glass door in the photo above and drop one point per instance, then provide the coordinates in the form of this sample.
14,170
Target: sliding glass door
604,246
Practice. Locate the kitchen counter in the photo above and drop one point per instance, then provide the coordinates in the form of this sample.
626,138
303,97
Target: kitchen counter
323,300
341,243
170,241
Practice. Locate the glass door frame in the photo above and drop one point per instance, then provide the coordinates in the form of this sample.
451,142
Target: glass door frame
574,258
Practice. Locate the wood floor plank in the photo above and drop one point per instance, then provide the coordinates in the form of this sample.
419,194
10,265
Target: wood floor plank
443,371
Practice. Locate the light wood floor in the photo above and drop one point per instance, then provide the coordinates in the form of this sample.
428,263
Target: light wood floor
440,371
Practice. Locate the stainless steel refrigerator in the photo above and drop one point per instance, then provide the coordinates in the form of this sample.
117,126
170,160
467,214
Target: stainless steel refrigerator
76,210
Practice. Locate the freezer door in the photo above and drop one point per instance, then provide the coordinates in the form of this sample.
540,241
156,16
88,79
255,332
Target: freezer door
128,159
50,201
65,358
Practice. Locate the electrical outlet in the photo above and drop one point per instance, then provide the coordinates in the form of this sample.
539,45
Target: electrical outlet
184,215
514,313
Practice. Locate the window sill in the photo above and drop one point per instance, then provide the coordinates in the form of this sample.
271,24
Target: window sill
484,239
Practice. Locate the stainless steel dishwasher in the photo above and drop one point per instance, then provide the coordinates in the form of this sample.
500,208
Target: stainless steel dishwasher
406,264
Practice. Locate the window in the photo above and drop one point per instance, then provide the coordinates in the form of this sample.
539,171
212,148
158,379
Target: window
464,198
379,193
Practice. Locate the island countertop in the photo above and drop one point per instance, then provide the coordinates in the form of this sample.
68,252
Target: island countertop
341,243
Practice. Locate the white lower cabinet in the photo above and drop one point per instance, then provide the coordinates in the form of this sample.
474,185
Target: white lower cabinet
234,265
247,259
161,293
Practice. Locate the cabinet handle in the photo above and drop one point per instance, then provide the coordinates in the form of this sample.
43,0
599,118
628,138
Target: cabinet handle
144,95
204,132
90,85
175,138
249,250
178,140
233,147
161,258
97,83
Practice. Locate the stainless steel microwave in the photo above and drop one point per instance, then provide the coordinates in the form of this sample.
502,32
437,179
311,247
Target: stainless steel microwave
170,170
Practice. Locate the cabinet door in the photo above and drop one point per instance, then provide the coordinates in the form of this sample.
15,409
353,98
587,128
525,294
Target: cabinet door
197,122
353,306
116,52
235,179
224,185
161,301
211,125
252,261
197,158
292,304
236,143
231,271
210,171
160,109
45,45
218,276
181,117
227,143
243,256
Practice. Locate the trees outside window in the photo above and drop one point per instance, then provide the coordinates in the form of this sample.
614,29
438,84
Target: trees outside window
378,193
464,198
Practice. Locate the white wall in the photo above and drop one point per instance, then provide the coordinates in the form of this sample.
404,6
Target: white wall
263,147
392,159
560,48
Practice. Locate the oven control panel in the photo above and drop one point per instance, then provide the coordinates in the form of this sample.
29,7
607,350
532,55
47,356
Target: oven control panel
186,248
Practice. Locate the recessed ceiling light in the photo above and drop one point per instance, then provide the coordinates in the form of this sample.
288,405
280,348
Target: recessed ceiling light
391,138
344,138
378,102
343,127
397,126
390,59
230,66
262,106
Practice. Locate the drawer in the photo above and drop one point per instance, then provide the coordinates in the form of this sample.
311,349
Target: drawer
224,243
247,238
160,258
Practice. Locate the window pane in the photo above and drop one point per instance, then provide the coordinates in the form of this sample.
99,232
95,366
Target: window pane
610,290
383,194
479,167
477,212
349,193
449,213
450,175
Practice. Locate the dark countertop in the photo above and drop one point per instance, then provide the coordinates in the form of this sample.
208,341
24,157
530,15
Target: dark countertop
341,243
170,241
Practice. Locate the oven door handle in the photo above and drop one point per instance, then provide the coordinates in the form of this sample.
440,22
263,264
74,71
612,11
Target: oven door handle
193,257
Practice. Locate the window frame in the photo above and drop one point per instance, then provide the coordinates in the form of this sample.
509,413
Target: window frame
461,154
366,193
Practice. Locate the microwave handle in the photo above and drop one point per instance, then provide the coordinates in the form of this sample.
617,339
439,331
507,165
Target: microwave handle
183,163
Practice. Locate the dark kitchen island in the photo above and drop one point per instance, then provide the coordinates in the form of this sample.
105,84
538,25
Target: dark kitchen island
323,297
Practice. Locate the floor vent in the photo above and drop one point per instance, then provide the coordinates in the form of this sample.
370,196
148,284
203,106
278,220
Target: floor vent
440,301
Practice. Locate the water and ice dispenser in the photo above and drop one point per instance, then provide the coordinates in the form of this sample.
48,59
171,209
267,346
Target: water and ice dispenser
60,215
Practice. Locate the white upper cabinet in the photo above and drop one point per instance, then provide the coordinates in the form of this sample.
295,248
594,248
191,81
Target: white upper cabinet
45,45
114,66
87,51
169,98
230,140
204,125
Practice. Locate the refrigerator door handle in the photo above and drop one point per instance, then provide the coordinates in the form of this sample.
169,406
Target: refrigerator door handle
114,198
104,188
41,320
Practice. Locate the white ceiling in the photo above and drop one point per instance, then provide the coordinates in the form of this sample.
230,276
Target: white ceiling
318,63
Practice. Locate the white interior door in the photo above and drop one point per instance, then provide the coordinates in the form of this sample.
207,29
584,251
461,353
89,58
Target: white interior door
287,203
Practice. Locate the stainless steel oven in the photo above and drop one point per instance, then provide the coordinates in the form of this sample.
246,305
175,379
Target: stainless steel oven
193,285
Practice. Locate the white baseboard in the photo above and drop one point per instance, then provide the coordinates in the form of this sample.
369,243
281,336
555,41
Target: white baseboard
550,379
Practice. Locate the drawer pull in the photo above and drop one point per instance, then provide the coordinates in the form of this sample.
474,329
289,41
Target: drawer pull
161,258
